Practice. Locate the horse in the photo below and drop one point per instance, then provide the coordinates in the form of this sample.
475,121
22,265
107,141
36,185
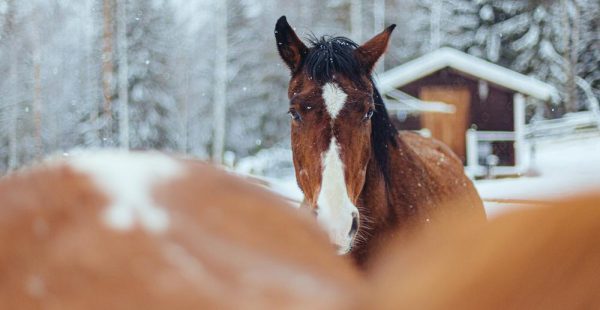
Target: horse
362,178
543,257
144,230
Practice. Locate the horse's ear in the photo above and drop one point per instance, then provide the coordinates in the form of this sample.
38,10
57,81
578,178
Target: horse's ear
368,53
291,49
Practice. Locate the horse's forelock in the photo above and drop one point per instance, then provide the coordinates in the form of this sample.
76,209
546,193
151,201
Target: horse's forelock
329,56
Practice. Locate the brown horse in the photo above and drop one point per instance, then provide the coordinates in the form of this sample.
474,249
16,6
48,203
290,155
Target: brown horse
547,257
361,176
116,230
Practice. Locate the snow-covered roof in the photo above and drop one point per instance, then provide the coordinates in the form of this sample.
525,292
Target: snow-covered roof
468,64
401,101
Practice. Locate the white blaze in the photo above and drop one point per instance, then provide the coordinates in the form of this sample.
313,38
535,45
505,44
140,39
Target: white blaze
335,98
335,208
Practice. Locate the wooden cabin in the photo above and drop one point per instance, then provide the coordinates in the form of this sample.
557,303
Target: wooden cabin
474,106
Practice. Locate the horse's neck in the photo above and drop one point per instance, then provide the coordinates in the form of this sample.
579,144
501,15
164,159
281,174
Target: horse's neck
377,215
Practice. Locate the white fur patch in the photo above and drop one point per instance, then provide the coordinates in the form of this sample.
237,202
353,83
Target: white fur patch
335,207
128,180
335,98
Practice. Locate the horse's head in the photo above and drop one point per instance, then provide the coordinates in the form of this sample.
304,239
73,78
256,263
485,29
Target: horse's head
331,104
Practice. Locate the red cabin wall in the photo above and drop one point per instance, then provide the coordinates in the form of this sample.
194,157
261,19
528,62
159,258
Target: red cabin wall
492,113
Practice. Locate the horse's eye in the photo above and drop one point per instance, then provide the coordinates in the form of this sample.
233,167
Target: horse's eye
368,115
294,115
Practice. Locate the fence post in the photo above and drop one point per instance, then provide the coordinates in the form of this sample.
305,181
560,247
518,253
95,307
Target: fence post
472,152
519,119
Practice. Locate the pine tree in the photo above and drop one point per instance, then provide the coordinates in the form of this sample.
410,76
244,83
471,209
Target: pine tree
429,24
553,41
152,107
589,44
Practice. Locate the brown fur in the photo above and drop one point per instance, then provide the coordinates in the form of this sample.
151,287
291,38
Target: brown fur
311,136
426,177
424,173
547,257
229,245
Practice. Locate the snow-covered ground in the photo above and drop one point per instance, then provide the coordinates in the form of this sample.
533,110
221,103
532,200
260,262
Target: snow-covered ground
562,168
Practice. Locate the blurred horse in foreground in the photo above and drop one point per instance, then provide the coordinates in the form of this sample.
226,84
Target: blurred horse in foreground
117,230
545,257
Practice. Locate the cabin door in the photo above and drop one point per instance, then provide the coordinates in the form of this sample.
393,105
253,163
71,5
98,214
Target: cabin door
448,128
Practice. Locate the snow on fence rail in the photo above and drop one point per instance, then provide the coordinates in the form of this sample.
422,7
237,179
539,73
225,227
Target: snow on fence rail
571,123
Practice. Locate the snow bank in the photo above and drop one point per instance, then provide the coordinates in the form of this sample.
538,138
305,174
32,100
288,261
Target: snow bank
562,168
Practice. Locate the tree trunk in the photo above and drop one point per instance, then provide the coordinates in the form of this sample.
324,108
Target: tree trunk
123,75
37,96
107,69
91,75
570,56
13,160
356,21
220,89
573,60
435,28
379,25
185,117
13,97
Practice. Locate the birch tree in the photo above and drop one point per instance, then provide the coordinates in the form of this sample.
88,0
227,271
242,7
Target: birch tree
220,88
123,74
92,59
37,93
12,100
379,24
356,20
107,71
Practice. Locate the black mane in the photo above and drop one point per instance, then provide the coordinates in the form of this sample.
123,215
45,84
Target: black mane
383,135
328,56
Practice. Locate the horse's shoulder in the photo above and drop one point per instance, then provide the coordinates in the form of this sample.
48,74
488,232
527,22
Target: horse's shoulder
441,174
427,148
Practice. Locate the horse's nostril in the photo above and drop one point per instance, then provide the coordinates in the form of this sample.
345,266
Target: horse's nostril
354,227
